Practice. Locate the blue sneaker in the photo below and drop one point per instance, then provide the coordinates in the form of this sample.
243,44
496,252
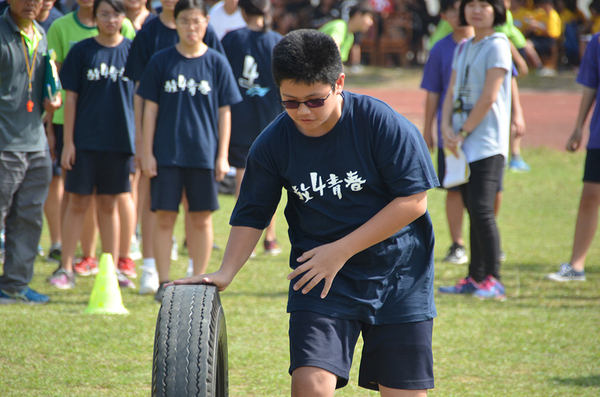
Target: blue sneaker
464,286
28,296
518,166
490,288
566,273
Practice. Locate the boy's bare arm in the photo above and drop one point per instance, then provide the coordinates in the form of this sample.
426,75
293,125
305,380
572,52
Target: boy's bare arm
587,100
68,154
324,262
149,129
138,111
431,104
222,161
240,244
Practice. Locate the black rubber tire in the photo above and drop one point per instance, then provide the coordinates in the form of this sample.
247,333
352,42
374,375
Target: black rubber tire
190,344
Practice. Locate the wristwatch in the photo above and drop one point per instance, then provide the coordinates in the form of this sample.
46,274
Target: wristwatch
463,133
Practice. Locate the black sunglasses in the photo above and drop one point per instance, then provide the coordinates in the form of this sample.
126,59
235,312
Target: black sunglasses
311,103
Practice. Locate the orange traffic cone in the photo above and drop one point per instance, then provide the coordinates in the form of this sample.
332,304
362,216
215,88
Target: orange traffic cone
106,294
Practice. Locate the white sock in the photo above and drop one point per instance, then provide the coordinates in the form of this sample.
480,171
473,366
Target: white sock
149,264
191,264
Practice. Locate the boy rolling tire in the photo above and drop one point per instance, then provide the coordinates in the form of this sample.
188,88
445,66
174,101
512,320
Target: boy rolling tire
190,344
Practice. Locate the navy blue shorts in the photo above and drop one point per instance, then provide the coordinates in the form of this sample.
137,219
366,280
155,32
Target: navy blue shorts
238,156
441,163
107,172
543,45
591,171
398,356
58,136
56,168
201,189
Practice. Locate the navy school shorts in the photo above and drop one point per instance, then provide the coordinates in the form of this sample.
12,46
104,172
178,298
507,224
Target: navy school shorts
107,172
441,163
201,189
398,356
591,171
238,156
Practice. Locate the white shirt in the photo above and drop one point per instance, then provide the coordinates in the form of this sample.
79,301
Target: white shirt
224,23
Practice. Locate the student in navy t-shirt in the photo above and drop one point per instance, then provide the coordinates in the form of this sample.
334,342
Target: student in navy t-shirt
356,175
587,216
188,90
158,34
97,155
249,52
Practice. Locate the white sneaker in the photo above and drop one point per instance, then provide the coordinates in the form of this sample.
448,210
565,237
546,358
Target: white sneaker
148,282
174,250
134,250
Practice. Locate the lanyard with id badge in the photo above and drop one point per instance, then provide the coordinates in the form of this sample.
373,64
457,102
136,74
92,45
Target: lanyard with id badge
462,105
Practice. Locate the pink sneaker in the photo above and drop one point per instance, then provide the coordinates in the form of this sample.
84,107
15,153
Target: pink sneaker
86,266
127,267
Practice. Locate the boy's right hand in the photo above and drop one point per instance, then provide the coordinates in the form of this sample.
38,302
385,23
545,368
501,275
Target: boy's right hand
217,279
149,166
574,141
67,158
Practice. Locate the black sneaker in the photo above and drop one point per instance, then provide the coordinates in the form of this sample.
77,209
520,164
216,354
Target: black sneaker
55,255
456,254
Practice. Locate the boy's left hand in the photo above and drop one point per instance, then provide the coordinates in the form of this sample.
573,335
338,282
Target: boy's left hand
323,262
221,168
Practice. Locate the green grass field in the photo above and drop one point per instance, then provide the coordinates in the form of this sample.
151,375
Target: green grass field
542,341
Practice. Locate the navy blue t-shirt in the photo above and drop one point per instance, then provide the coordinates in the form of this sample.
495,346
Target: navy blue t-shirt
335,183
104,118
52,16
155,36
189,93
249,54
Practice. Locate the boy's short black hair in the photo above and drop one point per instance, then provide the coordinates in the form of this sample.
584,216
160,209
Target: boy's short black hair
497,5
306,56
183,5
446,5
363,7
117,5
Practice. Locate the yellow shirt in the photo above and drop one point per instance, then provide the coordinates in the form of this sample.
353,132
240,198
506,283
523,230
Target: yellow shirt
551,20
596,24
521,18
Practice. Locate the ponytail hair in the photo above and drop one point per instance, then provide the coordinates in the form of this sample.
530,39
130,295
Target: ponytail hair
260,8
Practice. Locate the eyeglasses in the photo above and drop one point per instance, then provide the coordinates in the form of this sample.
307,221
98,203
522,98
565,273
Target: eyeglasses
106,16
311,103
193,22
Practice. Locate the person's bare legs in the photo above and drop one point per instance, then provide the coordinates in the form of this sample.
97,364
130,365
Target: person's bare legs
587,222
387,392
201,239
72,227
162,242
89,235
454,213
127,221
53,210
108,224
313,382
148,218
